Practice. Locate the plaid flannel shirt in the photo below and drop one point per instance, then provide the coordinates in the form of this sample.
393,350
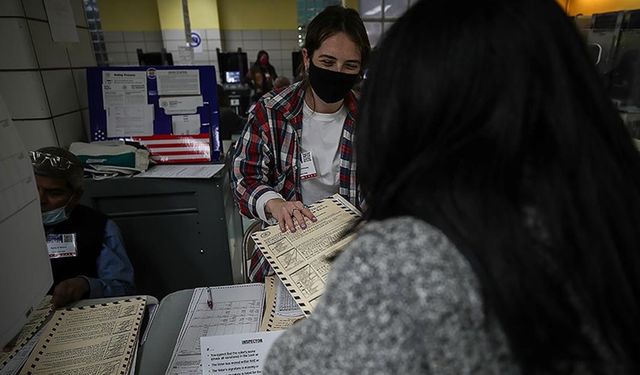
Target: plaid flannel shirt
267,156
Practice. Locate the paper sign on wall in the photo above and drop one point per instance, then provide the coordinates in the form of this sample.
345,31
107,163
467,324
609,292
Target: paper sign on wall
121,88
180,105
184,55
196,41
61,21
186,124
130,120
178,82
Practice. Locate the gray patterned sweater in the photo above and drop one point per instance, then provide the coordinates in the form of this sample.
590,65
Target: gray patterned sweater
400,300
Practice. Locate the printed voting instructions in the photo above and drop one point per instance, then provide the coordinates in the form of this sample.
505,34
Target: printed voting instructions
241,354
300,259
233,309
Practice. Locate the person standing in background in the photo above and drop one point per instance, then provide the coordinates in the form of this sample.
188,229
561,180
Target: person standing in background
297,145
262,75
501,233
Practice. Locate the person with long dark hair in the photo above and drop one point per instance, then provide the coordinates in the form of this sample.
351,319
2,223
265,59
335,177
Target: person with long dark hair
297,145
262,75
502,228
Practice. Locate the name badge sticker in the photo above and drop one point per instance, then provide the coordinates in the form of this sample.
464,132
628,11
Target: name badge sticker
61,245
307,168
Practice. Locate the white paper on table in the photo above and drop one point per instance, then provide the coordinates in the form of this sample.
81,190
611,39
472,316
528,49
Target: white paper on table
236,309
182,171
61,21
130,120
185,124
178,82
241,354
124,87
180,105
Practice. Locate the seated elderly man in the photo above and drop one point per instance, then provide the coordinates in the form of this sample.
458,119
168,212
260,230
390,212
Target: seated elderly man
87,256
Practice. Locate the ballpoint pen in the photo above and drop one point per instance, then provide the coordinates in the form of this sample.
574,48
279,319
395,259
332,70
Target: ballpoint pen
209,299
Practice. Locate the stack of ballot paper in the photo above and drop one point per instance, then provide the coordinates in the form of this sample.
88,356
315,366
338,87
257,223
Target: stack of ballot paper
94,339
302,259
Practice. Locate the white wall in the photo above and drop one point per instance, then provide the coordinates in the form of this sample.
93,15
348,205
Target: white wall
44,82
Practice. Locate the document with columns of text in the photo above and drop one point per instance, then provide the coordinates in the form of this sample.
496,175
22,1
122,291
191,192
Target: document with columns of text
302,259
95,339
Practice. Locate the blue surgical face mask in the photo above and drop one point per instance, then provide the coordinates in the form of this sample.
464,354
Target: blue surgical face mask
55,216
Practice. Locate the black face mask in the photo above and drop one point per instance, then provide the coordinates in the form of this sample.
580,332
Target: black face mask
330,86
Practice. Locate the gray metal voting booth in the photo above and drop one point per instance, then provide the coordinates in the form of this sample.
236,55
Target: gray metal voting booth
179,233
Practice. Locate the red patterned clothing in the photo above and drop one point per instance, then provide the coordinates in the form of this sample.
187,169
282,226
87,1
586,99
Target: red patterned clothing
267,156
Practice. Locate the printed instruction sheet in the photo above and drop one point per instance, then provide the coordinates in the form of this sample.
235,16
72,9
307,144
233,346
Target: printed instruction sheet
241,354
180,105
234,309
178,82
124,87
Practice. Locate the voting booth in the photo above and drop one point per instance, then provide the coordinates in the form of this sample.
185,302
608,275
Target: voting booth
172,110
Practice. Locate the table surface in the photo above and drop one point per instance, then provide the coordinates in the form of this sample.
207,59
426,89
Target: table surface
155,353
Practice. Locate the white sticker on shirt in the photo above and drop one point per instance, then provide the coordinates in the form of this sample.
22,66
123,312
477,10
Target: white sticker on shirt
307,168
62,245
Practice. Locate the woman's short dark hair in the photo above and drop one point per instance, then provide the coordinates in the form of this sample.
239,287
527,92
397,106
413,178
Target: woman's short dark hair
490,122
334,19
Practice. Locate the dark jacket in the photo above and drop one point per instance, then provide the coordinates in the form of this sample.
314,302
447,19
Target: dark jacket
89,226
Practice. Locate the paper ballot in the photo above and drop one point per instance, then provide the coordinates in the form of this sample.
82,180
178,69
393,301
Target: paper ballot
300,259
95,339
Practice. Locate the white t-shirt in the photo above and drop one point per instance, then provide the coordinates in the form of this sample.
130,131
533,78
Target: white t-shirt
321,133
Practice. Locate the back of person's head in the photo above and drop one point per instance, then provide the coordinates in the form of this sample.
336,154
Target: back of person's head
503,138
281,82
334,19
56,162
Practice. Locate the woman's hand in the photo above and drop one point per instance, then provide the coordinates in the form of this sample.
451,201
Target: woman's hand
285,212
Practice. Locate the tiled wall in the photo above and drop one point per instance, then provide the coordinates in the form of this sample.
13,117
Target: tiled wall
203,55
43,82
121,46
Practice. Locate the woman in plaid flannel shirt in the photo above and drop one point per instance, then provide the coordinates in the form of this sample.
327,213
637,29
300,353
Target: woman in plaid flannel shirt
297,145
